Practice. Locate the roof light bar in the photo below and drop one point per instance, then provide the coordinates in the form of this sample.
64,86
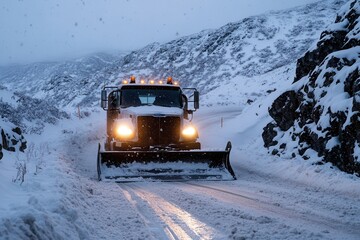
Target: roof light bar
132,79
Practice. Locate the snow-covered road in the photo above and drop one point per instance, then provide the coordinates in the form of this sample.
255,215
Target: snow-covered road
204,210
272,198
264,203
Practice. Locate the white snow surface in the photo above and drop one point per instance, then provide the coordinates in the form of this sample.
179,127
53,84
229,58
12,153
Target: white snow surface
272,198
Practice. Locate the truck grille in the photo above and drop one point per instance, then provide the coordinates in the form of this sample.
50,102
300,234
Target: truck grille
158,130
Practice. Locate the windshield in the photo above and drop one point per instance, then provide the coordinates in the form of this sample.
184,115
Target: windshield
159,96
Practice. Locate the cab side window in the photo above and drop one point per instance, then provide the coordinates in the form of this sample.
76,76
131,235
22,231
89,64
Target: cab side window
114,100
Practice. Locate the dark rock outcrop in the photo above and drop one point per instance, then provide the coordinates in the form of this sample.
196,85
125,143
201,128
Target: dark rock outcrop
331,40
269,134
287,102
322,115
11,139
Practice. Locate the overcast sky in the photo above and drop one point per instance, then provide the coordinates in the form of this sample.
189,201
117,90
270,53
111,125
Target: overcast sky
41,30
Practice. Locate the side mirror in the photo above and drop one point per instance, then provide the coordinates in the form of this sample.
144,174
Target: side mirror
103,99
196,100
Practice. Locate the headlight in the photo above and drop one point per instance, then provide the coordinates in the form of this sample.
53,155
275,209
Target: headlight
189,132
124,131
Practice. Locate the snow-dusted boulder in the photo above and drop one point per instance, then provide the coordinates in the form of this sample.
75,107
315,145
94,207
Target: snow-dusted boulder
321,113
11,138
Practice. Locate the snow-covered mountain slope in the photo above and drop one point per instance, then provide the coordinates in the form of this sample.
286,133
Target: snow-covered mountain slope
20,114
60,197
206,60
249,47
318,116
60,84
26,112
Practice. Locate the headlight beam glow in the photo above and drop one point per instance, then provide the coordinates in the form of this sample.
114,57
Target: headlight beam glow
124,131
189,132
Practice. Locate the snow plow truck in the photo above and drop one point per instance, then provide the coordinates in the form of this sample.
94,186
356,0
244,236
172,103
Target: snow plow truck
150,135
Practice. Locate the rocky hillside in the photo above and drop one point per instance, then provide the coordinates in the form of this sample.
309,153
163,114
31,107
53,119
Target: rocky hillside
28,113
23,114
320,116
61,84
250,47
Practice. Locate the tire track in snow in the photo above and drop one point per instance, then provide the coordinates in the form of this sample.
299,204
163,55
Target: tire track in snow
291,215
158,213
155,227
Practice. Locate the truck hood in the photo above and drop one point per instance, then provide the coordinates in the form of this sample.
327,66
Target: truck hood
151,110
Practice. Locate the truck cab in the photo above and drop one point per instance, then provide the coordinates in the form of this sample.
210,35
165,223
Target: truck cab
150,116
